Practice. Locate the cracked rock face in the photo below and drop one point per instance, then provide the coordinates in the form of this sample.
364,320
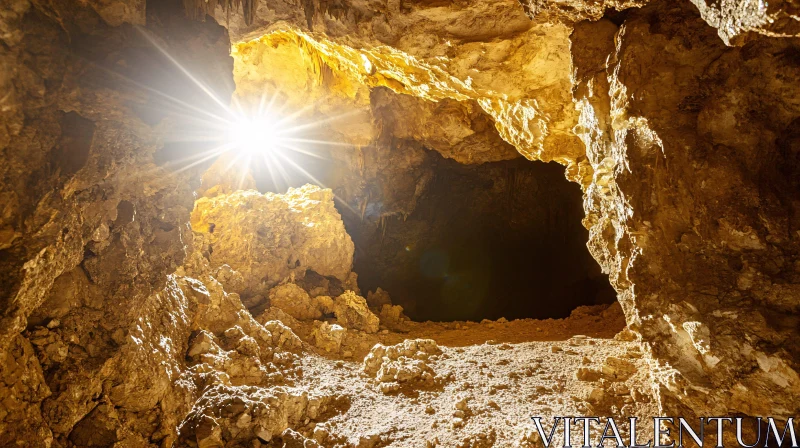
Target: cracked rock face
737,21
268,237
667,115
126,307
80,192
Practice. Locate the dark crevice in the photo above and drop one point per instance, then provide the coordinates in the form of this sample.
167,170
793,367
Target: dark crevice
72,152
495,240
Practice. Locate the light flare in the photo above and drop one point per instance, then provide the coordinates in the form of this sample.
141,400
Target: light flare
268,137
254,135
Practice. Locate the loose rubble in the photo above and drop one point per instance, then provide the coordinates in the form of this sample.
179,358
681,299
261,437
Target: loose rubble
403,365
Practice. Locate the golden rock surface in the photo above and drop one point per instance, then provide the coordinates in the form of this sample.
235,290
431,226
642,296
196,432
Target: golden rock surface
267,237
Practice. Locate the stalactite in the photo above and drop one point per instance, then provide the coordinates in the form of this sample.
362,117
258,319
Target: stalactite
364,205
361,161
198,9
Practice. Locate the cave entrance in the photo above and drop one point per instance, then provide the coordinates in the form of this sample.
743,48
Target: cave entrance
501,239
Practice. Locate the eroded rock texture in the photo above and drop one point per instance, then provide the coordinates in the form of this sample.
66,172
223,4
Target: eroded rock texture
695,174
267,237
122,327
89,222
736,21
688,165
682,136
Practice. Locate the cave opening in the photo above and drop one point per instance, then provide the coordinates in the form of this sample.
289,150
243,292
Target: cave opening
500,239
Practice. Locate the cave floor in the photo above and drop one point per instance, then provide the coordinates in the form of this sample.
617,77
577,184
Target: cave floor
498,375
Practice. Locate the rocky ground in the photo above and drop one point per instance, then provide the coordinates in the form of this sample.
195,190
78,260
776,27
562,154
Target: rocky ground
448,384
347,370
485,390
249,345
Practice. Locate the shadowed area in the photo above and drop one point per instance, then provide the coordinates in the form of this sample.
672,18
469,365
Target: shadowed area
501,239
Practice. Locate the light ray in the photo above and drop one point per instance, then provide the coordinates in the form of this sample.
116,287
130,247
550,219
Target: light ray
160,93
186,72
297,113
304,151
271,172
203,159
244,173
321,122
321,142
281,169
317,181
215,151
232,163
269,134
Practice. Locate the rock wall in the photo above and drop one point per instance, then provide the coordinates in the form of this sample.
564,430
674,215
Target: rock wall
693,205
687,151
90,226
267,238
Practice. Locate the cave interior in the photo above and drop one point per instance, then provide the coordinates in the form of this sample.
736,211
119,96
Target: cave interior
359,224
501,239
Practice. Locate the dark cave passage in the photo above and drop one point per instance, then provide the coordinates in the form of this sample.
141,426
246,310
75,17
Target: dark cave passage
501,239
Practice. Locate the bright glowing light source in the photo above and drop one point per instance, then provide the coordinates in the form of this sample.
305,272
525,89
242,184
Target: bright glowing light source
254,136
266,137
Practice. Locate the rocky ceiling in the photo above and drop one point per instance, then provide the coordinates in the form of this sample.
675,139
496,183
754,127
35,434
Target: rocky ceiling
679,120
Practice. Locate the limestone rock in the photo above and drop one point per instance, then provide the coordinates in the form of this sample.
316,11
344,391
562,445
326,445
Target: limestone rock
203,343
293,300
692,249
685,150
352,312
317,285
328,337
735,21
392,317
277,314
378,298
460,99
282,336
325,304
231,280
402,365
117,12
267,237
237,415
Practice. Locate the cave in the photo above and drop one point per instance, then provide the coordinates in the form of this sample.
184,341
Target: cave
363,224
500,239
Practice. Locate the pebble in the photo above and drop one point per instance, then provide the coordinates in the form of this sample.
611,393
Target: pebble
461,404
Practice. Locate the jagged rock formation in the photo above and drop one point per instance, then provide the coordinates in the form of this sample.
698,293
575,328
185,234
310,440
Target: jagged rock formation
119,325
737,22
686,139
403,365
268,237
89,222
668,122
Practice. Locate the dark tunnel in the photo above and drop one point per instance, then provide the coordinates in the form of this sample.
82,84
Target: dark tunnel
501,239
